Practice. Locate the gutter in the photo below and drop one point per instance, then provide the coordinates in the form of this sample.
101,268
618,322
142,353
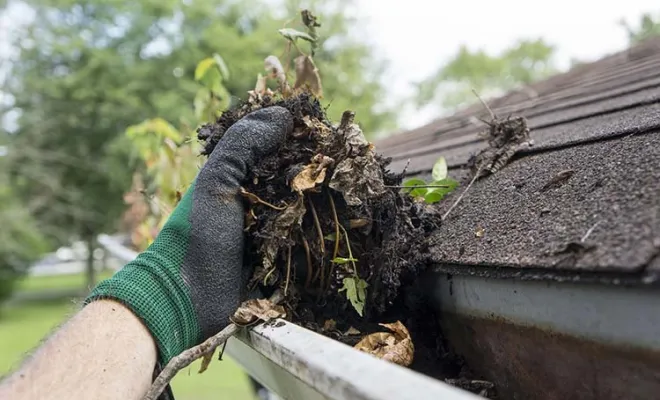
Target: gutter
548,339
298,364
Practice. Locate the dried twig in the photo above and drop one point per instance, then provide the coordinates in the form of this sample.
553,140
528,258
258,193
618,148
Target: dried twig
586,235
317,224
186,358
288,271
334,255
308,255
462,194
492,114
256,199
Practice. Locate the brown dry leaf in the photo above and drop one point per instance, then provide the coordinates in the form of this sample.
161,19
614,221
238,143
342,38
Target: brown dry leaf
358,178
330,325
257,309
260,86
351,332
206,360
307,74
308,178
275,70
396,347
317,126
280,228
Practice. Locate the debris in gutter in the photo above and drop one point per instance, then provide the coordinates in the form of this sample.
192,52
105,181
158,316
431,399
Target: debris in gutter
505,138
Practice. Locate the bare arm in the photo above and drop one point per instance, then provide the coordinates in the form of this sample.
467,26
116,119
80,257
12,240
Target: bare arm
103,352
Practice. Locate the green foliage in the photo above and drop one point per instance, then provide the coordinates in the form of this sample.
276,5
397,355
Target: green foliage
169,162
22,241
525,62
86,71
356,292
648,27
435,190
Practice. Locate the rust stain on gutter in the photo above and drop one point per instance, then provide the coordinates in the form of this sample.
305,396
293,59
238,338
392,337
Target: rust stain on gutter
533,363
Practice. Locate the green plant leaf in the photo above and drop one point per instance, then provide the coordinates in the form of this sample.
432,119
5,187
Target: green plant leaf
439,169
433,197
450,184
330,236
294,34
356,292
201,103
220,62
342,260
203,67
419,192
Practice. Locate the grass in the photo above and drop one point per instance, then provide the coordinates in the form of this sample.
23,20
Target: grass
24,325
57,282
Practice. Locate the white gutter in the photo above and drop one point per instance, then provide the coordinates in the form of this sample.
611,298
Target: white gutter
298,364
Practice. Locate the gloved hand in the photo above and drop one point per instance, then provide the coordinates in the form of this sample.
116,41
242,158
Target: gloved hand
190,280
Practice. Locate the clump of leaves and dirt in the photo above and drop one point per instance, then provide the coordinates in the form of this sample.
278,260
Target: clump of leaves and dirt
330,227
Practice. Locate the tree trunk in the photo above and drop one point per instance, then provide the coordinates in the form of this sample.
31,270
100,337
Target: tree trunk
91,272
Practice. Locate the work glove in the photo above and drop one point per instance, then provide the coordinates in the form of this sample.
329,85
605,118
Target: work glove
191,279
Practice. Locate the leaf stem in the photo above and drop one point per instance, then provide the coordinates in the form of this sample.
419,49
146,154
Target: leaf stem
334,254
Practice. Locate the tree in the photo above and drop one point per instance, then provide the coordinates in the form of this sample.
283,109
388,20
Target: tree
21,239
88,69
649,26
525,62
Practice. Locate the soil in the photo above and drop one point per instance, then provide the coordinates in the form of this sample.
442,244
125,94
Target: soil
326,174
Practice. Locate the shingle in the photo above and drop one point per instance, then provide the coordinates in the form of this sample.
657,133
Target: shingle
598,127
624,122
614,186
585,90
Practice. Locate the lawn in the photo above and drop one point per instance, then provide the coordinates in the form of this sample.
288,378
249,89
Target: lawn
23,325
58,282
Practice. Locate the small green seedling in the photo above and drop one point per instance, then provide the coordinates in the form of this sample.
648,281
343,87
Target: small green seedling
356,291
437,189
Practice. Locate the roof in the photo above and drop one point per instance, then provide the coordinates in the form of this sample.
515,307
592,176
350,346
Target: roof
584,197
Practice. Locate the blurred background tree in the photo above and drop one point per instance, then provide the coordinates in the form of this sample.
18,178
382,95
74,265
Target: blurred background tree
87,70
525,62
647,27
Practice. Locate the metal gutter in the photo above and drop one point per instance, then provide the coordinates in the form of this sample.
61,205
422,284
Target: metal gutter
548,340
298,364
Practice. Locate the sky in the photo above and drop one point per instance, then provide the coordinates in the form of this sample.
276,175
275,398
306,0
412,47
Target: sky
418,36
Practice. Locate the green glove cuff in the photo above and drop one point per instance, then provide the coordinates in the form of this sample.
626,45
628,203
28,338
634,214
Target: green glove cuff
153,288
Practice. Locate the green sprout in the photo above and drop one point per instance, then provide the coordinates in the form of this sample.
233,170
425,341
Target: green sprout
435,190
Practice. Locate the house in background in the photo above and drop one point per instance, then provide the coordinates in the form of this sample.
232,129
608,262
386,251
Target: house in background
547,271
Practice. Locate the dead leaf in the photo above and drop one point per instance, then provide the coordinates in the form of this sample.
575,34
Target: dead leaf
257,309
358,178
275,70
330,325
308,178
316,126
396,347
357,223
352,332
280,228
307,74
356,143
206,360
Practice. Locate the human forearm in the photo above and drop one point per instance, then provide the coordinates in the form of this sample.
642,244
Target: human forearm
103,352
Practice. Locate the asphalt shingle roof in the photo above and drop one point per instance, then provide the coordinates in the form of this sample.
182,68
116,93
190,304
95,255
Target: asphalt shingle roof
599,126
